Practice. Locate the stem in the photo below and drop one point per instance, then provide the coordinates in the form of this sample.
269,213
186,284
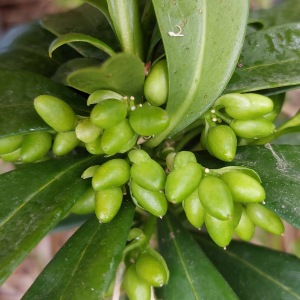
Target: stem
294,121
195,124
220,115
149,227
188,137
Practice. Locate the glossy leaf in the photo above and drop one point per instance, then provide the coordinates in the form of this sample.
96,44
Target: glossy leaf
156,37
85,19
123,73
18,89
26,48
254,272
192,275
278,167
34,201
201,61
269,59
85,266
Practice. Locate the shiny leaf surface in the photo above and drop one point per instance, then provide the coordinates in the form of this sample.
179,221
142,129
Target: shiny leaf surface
192,275
86,264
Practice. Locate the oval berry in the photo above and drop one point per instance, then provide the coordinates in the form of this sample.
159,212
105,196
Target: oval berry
56,113
64,142
12,157
149,120
108,113
237,213
87,132
130,144
245,229
138,156
10,143
182,158
86,203
95,147
156,84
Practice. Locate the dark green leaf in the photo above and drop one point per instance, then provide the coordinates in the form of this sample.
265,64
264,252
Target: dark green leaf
18,89
200,62
156,37
85,19
269,59
33,199
192,275
255,272
86,264
279,169
276,91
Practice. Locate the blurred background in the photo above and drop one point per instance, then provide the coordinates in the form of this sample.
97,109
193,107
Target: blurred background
14,12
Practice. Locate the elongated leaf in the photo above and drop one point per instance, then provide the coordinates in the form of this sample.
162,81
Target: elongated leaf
192,275
33,199
200,62
26,48
85,19
279,169
269,59
255,272
18,89
86,264
286,12
123,73
280,90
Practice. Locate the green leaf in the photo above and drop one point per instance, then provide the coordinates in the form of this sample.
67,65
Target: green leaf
156,37
79,37
85,266
201,62
18,89
278,167
123,73
127,23
254,272
268,60
192,275
85,19
33,199
285,12
26,48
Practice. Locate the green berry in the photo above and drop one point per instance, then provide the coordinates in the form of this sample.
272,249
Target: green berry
64,142
278,101
245,229
35,146
264,218
237,213
87,132
108,113
86,203
90,172
243,187
108,203
130,144
153,202
101,95
12,157
56,113
113,173
194,210
139,156
149,120
10,143
222,142
252,129
95,147
182,158
151,270
216,198
156,84
136,288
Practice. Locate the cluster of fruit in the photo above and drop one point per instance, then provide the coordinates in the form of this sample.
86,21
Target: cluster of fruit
247,116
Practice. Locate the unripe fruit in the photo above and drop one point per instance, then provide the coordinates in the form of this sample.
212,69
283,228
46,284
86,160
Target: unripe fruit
194,210
156,84
182,182
149,175
252,129
64,142
95,147
35,146
237,213
151,270
264,218
86,203
108,203
56,113
243,187
216,198
114,139
87,132
129,144
222,142
245,106
278,101
153,202
149,120
101,95
221,232
245,229
182,158
12,157
108,113
136,288
10,143
90,172
139,156
113,173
